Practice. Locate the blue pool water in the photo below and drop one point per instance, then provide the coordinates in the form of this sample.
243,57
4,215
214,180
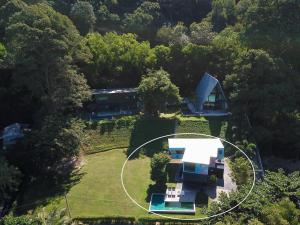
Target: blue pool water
158,204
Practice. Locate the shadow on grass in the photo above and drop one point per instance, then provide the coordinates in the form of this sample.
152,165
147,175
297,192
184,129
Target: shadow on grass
146,129
155,188
215,125
201,199
106,128
46,190
174,171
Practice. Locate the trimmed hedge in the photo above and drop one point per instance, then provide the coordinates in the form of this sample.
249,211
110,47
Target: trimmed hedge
128,220
163,221
114,220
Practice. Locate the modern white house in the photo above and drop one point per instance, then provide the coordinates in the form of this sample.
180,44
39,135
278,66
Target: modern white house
200,157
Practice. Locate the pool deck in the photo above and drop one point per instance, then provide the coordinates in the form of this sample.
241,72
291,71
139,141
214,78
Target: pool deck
180,194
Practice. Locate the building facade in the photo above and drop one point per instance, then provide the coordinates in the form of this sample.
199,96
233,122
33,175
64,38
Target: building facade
200,157
107,103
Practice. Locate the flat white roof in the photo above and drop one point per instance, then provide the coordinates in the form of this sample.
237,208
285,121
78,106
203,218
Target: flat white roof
114,91
197,150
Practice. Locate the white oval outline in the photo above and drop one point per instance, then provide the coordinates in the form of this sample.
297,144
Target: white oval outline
176,218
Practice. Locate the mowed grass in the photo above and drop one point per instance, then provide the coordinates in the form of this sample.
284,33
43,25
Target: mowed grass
100,193
129,132
215,126
98,141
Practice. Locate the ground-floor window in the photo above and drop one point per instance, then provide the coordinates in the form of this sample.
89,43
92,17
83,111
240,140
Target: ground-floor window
189,167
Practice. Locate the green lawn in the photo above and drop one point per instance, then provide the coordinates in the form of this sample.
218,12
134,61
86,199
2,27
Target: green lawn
96,189
100,193
212,126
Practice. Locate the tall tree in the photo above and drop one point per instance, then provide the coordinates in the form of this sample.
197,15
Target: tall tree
273,26
106,20
82,13
284,212
177,34
3,54
46,47
143,20
223,14
159,163
10,178
201,33
7,9
51,148
118,60
268,196
156,91
187,11
241,170
266,89
258,80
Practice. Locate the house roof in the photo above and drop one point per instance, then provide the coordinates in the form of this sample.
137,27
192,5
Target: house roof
13,132
205,87
197,150
114,91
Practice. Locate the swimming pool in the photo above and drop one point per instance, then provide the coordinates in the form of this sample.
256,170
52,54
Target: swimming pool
158,204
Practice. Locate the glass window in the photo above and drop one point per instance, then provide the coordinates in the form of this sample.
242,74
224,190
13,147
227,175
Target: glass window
189,167
179,152
101,98
212,98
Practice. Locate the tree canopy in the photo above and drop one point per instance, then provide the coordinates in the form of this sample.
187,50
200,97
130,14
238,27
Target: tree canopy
82,13
156,90
10,179
117,59
49,149
159,163
46,48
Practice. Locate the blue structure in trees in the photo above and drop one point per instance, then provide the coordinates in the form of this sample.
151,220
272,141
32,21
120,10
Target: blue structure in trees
12,133
209,98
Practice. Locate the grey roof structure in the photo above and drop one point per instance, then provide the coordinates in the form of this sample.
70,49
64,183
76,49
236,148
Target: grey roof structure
12,133
209,98
114,91
207,84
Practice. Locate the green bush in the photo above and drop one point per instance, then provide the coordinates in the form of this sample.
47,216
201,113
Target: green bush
201,199
241,170
18,220
158,168
212,180
163,221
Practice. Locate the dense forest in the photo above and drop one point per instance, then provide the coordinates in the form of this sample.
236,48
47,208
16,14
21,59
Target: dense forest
52,53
